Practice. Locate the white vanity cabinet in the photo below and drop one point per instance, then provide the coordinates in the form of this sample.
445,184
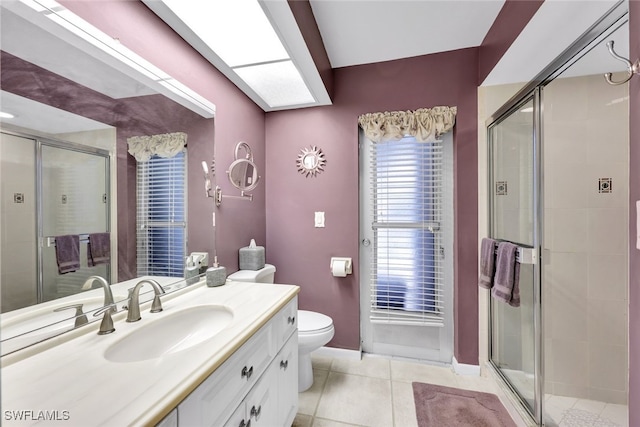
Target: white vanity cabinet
257,383
286,364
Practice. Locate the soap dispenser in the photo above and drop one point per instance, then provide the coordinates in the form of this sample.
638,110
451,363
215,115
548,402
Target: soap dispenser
216,275
191,271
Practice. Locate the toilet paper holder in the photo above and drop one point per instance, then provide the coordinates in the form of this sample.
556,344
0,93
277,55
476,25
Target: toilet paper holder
336,261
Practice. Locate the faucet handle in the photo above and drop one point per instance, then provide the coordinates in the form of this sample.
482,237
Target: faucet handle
81,318
129,294
156,305
106,326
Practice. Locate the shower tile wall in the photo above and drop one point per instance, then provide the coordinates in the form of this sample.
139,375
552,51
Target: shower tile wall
17,227
585,269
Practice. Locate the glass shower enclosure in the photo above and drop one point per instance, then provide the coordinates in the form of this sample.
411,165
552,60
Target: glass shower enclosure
514,197
558,175
74,200
49,188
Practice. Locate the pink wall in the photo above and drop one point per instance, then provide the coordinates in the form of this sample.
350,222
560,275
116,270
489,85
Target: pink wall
303,14
301,252
513,17
237,118
634,194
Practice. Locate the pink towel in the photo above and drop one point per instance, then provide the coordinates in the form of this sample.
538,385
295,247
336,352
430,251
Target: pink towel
99,249
487,262
68,253
506,287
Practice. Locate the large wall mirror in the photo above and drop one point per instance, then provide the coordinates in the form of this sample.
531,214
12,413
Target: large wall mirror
73,101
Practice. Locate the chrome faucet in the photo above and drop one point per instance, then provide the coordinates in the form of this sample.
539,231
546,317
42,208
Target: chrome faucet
134,302
108,296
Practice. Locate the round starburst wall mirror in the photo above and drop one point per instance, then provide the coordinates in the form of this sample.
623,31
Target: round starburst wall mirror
311,161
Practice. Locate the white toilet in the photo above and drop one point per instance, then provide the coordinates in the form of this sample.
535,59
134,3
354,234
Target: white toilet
314,329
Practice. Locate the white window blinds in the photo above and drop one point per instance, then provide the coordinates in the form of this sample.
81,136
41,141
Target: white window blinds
406,276
161,216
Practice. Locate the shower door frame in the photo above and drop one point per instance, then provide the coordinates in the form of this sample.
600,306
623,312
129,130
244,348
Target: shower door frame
615,17
71,146
65,145
39,141
535,97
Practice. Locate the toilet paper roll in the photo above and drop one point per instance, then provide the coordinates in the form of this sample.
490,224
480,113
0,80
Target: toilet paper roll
339,268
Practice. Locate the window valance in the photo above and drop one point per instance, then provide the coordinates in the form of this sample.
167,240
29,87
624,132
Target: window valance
425,124
164,145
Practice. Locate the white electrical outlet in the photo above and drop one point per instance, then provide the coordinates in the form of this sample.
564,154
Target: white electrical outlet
319,219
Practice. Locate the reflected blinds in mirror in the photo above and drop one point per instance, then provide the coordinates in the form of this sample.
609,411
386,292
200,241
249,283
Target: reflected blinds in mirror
161,216
407,273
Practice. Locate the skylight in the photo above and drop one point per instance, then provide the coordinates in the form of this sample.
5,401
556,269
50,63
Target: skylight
238,38
238,31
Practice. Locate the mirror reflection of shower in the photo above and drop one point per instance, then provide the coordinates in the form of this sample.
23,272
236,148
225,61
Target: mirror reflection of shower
58,189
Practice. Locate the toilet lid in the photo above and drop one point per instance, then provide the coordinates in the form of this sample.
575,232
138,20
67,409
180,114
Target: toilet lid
312,321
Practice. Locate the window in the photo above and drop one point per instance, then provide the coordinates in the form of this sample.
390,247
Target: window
406,276
161,216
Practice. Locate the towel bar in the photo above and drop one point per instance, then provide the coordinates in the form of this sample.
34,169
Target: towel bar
51,240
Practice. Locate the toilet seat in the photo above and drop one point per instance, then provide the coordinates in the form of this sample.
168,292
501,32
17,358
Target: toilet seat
310,322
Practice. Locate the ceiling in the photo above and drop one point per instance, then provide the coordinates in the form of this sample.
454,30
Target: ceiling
360,32
367,31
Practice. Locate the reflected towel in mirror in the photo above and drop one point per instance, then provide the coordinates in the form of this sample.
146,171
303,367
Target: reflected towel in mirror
98,249
68,253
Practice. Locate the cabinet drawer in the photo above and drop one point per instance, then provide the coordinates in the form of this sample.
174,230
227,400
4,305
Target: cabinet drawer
217,397
287,321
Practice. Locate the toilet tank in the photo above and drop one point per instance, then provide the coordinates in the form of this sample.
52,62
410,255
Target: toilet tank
264,275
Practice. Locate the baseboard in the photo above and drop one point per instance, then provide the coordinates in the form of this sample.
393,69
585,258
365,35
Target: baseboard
338,353
464,369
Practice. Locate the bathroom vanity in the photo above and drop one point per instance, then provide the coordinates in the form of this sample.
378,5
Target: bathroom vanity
212,357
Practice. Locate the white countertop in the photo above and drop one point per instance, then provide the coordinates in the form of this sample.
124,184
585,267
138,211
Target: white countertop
74,379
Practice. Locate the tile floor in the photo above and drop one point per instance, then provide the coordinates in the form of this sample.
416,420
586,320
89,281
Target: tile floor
571,412
564,411
372,392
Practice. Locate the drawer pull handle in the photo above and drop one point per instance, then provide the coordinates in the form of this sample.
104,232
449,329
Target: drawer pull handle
291,320
255,412
243,424
247,372
284,364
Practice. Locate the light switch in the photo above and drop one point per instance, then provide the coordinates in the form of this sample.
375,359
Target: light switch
319,219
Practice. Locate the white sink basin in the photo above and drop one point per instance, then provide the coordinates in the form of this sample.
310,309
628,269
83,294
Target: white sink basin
172,333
